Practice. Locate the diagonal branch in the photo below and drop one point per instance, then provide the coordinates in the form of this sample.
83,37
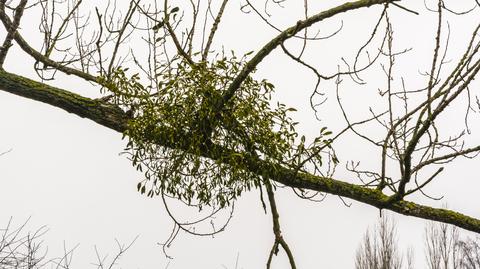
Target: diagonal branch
114,118
447,157
171,31
286,34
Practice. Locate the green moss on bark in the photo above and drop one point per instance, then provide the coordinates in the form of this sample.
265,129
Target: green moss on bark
114,118
105,114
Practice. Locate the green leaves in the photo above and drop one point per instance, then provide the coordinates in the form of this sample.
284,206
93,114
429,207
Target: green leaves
180,111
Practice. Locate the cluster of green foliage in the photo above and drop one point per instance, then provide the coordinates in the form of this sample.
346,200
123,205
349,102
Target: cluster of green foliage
181,111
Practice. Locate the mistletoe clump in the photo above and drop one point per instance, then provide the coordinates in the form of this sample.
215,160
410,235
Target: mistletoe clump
182,112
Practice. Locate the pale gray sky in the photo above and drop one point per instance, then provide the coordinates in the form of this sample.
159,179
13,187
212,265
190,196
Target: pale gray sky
65,172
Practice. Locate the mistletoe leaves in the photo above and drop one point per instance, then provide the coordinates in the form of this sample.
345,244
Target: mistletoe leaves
180,111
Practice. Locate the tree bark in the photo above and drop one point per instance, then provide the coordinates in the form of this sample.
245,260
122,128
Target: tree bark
113,117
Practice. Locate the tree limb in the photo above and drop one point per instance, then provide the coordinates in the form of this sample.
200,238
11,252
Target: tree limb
116,119
286,34
100,112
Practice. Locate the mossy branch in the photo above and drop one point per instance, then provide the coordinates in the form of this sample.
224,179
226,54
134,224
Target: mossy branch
105,114
114,118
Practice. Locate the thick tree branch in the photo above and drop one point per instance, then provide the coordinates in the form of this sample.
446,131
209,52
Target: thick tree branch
114,118
100,112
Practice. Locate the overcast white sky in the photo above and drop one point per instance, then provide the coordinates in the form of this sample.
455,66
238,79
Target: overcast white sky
65,172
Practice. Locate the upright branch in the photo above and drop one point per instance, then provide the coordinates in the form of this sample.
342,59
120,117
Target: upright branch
51,40
215,25
7,43
121,33
406,158
413,140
